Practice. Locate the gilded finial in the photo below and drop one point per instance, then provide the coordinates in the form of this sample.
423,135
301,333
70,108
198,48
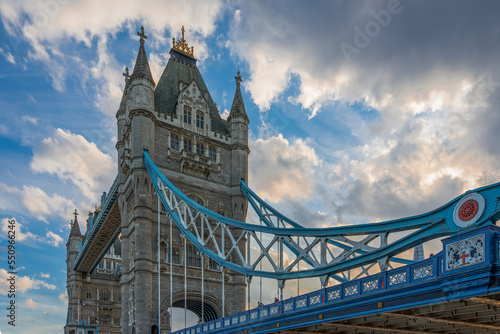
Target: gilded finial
142,35
182,46
238,79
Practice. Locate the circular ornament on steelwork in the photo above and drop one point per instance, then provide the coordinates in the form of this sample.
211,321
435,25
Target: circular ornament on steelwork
468,210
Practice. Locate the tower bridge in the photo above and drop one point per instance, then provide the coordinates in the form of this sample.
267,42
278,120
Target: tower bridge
171,232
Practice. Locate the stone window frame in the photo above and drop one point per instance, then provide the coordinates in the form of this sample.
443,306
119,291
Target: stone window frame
200,149
88,294
200,119
212,153
174,142
187,115
105,295
188,146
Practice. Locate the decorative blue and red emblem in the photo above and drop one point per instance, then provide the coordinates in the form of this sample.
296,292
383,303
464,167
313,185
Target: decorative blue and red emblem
468,210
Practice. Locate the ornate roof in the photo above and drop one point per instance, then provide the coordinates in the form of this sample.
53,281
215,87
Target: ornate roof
181,67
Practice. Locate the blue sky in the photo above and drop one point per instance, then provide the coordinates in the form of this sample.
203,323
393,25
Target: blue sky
359,110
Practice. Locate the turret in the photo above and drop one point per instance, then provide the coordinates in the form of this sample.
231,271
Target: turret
74,278
238,128
141,105
74,239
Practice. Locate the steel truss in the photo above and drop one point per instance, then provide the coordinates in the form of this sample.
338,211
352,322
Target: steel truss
287,250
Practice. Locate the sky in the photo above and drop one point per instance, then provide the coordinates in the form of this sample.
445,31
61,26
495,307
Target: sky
359,111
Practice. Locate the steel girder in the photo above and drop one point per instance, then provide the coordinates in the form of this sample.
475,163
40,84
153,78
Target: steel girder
323,251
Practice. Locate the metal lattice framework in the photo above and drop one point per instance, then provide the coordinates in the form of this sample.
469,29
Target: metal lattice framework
282,249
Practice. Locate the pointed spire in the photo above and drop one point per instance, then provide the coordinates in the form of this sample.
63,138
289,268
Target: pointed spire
123,102
238,105
141,68
75,228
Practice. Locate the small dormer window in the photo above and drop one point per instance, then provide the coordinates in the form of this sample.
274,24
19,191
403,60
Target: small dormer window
200,120
212,155
174,142
187,115
200,149
187,145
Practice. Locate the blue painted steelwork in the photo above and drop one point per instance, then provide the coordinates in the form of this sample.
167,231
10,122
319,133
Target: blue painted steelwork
384,292
428,226
96,222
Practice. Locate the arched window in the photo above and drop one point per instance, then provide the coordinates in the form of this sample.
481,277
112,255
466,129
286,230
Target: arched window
187,145
187,115
193,258
174,142
88,294
104,295
200,120
200,149
176,259
212,155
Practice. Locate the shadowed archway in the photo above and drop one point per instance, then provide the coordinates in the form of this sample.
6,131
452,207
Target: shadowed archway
210,313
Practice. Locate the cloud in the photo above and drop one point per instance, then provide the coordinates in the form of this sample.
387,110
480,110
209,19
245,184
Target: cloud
72,158
30,303
398,72
30,119
54,239
280,169
43,275
36,201
8,56
20,230
64,297
49,27
23,283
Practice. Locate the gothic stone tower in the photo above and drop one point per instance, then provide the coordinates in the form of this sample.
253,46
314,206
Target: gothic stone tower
94,298
205,157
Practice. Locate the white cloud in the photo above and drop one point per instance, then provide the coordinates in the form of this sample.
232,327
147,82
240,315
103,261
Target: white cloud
72,158
43,275
54,239
64,297
282,170
20,230
30,303
30,119
23,283
47,26
8,56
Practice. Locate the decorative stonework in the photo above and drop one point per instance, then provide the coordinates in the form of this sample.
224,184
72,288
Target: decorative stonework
465,253
469,210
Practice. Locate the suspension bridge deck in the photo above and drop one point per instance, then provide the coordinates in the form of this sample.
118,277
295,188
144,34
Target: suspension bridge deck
455,291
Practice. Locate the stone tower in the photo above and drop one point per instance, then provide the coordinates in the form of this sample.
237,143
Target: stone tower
205,157
93,299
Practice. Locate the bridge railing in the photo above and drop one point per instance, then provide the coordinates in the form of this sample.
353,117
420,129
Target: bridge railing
464,255
393,279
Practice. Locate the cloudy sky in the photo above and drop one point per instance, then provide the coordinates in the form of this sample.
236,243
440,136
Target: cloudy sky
360,110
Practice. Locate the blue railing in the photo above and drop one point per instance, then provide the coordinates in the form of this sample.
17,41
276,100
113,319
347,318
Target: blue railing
467,258
393,279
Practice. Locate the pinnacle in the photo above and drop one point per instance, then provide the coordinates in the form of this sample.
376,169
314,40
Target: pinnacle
141,68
